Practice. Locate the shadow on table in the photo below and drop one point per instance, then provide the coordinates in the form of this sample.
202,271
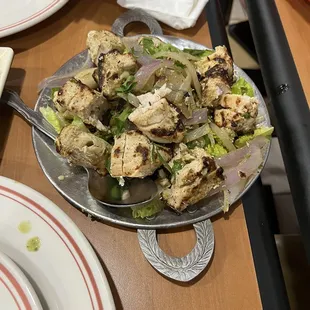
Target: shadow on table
73,12
14,81
116,298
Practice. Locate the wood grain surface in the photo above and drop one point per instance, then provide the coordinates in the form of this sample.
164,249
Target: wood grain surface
295,17
230,280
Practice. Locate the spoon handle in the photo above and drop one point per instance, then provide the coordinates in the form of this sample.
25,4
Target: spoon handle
184,268
36,119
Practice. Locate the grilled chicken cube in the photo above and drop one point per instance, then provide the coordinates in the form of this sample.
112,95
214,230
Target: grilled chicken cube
219,58
83,148
113,69
237,112
78,99
216,73
102,42
160,121
133,155
198,174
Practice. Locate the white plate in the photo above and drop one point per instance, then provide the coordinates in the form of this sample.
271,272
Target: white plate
18,15
6,57
15,290
65,271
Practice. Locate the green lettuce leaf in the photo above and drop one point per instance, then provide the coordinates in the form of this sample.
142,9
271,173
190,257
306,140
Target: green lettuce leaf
242,87
79,123
262,131
151,208
216,150
198,53
53,118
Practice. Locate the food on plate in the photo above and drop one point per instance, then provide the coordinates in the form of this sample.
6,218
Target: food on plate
141,107
83,148
134,155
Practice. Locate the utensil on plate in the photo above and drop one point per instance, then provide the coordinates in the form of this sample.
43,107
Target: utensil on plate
100,187
181,269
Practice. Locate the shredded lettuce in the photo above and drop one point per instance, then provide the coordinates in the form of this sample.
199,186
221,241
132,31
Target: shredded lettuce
262,131
79,123
242,87
198,53
151,208
53,118
216,150
53,91
150,48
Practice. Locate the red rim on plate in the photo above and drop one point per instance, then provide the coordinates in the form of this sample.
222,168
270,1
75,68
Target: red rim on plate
68,241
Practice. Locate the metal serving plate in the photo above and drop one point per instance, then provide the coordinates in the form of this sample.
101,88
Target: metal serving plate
74,186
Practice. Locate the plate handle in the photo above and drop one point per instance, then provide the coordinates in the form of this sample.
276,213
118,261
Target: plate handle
136,15
180,268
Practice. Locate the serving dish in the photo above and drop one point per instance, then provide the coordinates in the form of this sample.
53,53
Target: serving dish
75,180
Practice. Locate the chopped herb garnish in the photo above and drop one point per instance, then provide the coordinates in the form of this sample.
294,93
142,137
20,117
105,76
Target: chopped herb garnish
177,166
246,115
108,164
128,85
179,64
161,159
118,121
150,48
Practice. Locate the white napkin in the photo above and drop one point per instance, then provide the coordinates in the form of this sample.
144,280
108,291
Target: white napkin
179,14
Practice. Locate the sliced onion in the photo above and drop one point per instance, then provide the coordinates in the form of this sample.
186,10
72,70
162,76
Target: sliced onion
186,85
133,100
226,203
180,57
235,190
197,133
145,72
132,43
198,117
223,136
245,168
59,80
145,60
235,157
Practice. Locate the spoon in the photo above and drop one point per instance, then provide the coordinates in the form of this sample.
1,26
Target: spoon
105,189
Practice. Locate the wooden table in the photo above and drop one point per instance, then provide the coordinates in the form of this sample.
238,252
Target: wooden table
228,283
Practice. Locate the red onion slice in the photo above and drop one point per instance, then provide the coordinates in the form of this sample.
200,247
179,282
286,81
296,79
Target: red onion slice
233,158
145,72
60,80
198,117
245,168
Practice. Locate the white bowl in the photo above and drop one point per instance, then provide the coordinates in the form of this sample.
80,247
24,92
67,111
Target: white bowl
6,57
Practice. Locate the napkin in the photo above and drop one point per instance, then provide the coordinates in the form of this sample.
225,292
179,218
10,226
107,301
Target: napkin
179,14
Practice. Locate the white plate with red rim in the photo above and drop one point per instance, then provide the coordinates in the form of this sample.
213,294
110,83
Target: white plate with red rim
6,57
15,290
62,268
17,15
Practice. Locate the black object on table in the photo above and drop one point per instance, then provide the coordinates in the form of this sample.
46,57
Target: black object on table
268,268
